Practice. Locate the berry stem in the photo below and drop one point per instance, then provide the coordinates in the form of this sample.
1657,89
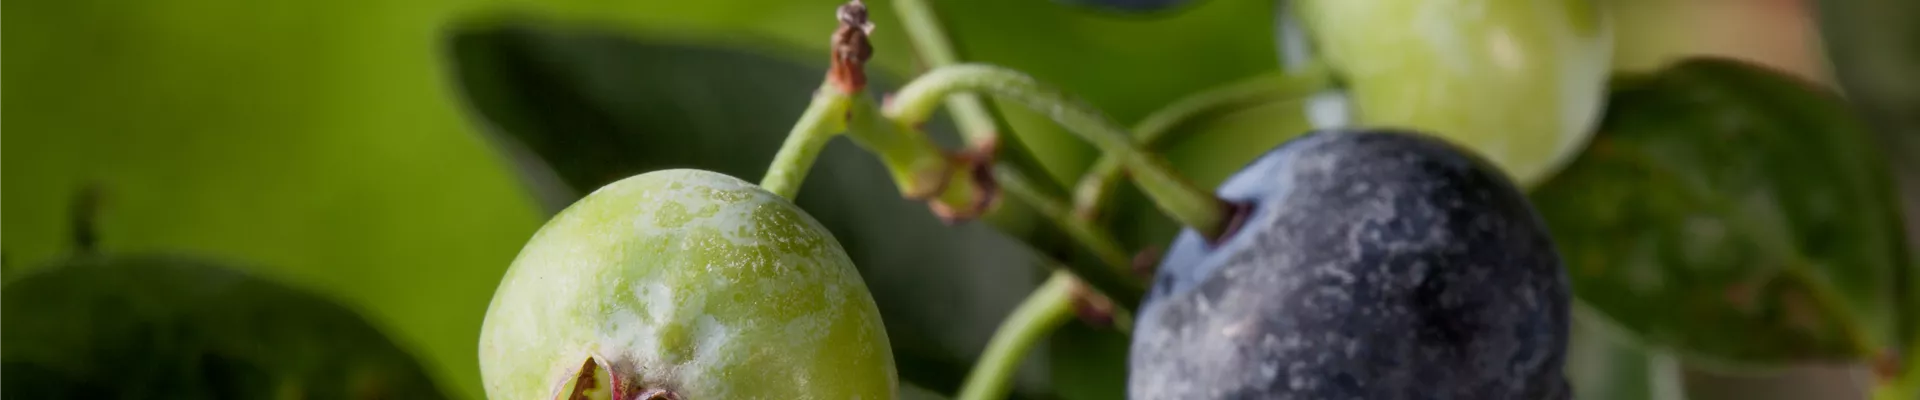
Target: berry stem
820,123
1092,192
1048,308
930,40
971,113
1100,242
1174,195
1039,192
919,166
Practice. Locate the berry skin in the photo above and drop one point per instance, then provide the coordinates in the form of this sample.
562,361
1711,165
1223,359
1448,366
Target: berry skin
1370,265
685,284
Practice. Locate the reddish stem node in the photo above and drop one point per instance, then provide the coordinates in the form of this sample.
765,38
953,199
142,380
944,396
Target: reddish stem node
978,162
1145,262
1237,214
851,50
1090,306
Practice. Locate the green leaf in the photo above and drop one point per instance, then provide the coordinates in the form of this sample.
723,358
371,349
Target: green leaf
590,107
180,327
1874,51
1733,214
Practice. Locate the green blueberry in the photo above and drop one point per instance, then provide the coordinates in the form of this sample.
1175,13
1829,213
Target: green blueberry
685,284
1520,81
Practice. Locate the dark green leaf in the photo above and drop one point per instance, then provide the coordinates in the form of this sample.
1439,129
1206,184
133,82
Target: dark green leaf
1733,214
177,327
1875,50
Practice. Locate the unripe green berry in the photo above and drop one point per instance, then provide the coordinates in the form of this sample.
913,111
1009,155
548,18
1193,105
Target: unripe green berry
685,284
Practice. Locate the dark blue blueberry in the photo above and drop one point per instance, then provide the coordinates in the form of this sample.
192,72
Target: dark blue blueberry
1370,265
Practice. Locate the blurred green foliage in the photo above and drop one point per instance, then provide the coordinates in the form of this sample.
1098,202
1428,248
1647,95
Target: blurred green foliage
1734,214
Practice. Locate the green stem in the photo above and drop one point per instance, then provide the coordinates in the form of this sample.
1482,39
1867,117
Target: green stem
1091,194
929,38
978,125
971,114
1175,195
919,167
1048,308
1098,241
822,120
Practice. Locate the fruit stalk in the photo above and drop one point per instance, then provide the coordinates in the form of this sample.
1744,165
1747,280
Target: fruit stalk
921,169
1092,192
975,119
929,39
1099,241
1041,313
1174,195
958,185
820,123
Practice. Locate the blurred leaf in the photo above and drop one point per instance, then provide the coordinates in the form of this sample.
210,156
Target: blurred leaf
1733,214
177,327
596,106
1874,49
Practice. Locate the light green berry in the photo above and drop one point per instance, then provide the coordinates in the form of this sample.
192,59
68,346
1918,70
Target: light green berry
1520,81
687,285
